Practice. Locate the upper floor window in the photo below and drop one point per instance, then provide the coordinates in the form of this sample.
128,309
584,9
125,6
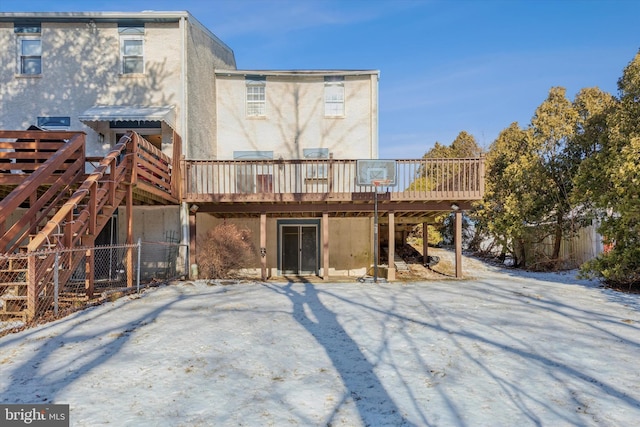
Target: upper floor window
254,177
29,49
334,96
256,96
131,49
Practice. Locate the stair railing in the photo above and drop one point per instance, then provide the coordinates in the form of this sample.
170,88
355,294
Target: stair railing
69,157
79,220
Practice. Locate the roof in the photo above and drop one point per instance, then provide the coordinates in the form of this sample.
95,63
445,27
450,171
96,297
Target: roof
148,16
309,73
113,17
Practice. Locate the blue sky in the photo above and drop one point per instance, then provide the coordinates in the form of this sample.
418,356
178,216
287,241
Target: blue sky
446,66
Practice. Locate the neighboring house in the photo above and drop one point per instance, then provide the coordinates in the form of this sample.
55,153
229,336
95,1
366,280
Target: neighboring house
272,150
105,73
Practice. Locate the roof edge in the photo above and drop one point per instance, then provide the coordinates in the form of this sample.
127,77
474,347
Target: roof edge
147,15
297,72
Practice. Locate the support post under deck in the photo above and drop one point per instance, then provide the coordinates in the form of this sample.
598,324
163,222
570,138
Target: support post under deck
325,245
263,246
458,243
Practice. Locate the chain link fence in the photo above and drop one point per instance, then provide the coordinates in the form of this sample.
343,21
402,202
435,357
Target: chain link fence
41,286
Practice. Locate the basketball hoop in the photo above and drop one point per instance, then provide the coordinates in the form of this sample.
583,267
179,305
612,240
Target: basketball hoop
377,183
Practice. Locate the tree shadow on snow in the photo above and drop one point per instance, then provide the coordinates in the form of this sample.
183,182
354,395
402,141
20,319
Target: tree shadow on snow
34,380
363,387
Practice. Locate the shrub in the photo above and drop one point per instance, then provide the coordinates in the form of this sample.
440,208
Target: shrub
226,248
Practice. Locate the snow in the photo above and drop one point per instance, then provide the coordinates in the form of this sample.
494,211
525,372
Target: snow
503,348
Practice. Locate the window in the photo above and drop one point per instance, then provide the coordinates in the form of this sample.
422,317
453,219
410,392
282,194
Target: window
54,123
334,96
254,177
316,170
29,49
132,49
256,98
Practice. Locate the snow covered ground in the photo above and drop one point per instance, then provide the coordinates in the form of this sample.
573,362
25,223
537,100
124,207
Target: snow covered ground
502,349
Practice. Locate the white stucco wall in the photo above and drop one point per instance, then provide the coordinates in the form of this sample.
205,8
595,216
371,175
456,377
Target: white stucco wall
295,117
81,68
154,226
150,223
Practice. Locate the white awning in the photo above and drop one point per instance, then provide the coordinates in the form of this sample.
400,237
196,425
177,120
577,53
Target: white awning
107,113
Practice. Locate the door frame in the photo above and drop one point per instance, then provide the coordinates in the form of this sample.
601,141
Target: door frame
300,223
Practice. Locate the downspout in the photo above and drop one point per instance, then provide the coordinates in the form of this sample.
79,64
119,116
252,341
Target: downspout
184,209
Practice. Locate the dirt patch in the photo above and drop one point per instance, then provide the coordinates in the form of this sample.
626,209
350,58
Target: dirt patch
443,270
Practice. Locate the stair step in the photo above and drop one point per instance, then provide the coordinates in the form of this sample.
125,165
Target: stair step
400,264
13,303
12,315
14,297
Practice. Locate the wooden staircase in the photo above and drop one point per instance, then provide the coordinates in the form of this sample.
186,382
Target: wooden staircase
66,211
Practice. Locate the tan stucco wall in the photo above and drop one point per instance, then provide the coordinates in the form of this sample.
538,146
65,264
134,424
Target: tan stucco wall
350,241
295,118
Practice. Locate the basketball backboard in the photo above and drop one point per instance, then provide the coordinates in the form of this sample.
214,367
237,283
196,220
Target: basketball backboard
370,170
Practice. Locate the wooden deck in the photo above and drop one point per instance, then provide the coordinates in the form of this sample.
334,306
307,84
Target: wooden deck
44,173
424,187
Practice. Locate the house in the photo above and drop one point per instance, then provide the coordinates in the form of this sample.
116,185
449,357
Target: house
105,73
271,119
182,140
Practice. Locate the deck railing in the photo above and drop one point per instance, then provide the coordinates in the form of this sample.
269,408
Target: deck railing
284,180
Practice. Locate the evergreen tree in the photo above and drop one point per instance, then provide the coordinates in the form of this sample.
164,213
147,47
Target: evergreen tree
612,179
553,128
508,194
531,173
464,146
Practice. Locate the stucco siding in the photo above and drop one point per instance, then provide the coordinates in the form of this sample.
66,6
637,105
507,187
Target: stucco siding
80,69
204,54
295,118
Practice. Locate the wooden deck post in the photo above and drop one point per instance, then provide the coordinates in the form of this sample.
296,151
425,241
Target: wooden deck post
263,246
425,243
129,198
89,268
32,292
325,245
193,247
391,269
458,243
